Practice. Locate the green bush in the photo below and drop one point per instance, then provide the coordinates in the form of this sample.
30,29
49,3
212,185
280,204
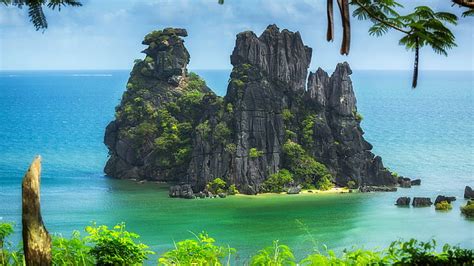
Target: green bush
274,255
414,252
116,246
204,129
277,181
287,115
6,229
201,251
230,108
195,82
351,184
443,206
468,209
305,168
222,132
254,153
232,190
73,251
324,183
357,116
230,148
216,186
308,129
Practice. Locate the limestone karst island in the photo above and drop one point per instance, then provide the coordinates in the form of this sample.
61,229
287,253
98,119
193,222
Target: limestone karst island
245,132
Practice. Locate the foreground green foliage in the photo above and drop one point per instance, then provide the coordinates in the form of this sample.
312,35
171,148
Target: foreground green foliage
199,251
71,251
116,246
276,254
468,209
277,181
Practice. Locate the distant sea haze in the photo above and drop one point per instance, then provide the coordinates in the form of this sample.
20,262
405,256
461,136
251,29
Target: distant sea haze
425,133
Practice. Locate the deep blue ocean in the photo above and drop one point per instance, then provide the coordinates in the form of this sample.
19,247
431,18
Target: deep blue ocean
425,133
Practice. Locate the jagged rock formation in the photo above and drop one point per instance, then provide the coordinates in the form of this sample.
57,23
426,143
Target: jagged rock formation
267,121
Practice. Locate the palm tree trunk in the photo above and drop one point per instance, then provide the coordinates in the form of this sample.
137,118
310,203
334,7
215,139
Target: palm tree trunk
330,31
415,67
346,26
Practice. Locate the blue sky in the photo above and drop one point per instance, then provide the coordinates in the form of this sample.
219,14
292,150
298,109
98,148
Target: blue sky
107,34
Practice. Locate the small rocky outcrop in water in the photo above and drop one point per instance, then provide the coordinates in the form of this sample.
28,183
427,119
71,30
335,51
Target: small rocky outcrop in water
170,127
441,198
181,191
468,193
421,202
403,201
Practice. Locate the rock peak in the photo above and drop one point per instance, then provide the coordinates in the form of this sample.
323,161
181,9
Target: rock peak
167,58
281,56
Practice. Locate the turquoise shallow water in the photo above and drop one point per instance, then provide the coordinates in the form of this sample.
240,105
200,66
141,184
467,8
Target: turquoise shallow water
426,133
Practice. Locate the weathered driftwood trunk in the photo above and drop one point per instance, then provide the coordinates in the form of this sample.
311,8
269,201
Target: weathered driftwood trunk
36,240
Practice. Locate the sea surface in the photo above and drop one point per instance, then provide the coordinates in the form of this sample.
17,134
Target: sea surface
425,133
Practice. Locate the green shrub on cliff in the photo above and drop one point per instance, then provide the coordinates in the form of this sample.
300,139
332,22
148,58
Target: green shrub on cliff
357,116
308,129
254,153
230,148
274,255
222,132
305,168
199,251
287,115
468,209
204,129
276,182
195,82
216,186
116,246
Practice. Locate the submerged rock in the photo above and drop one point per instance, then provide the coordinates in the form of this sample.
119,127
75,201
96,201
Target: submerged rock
421,202
170,127
468,193
403,201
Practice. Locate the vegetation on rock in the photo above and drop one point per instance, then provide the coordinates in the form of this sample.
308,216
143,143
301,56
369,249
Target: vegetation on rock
468,209
216,186
443,206
232,190
305,168
277,181
254,153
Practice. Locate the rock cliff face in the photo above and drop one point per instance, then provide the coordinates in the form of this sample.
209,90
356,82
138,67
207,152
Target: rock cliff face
171,127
